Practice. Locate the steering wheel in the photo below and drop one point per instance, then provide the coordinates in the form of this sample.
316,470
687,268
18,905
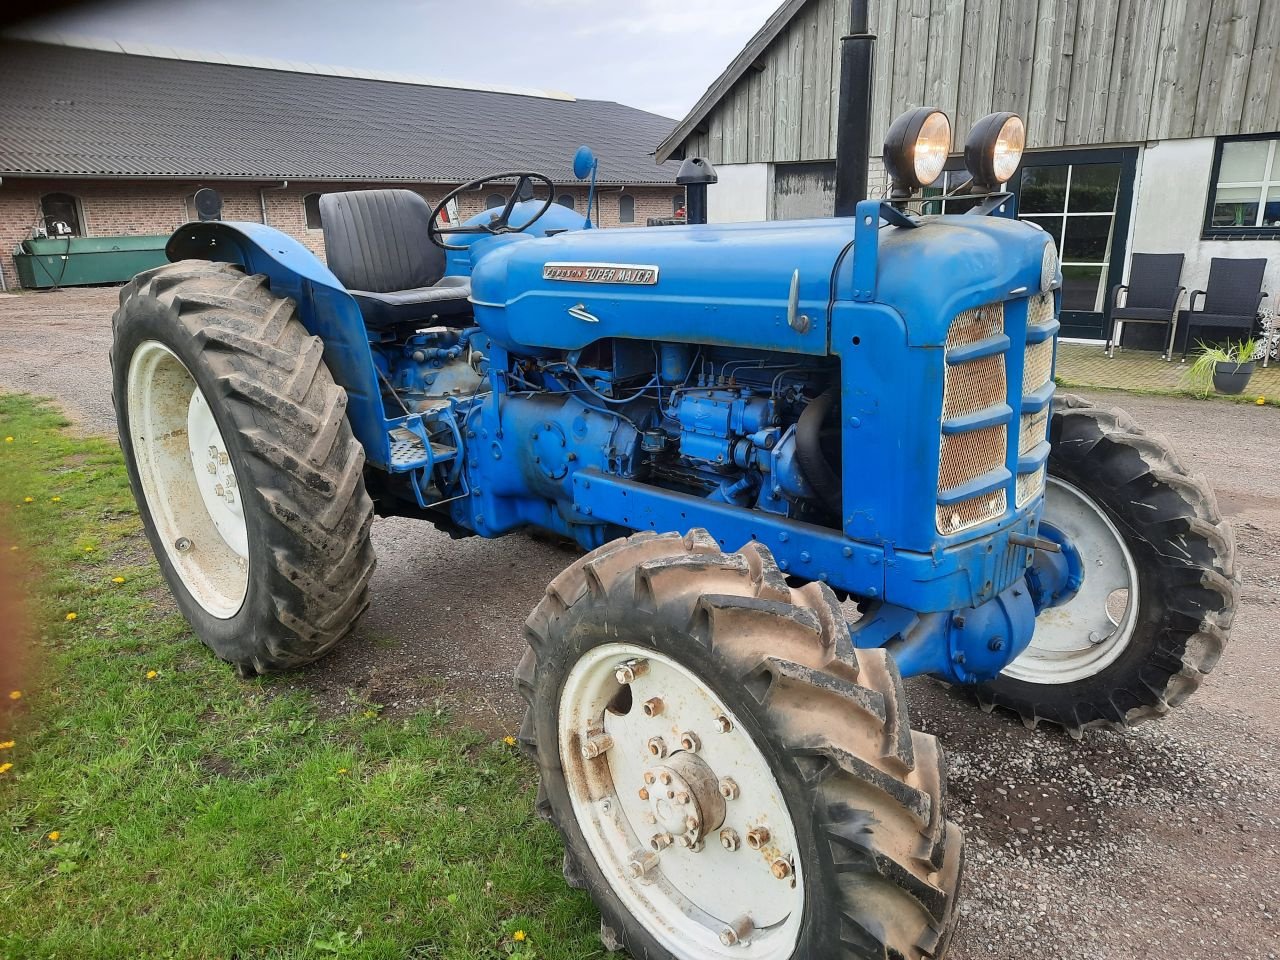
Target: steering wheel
501,223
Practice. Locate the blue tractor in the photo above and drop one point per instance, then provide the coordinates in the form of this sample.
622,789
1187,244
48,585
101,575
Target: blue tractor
804,459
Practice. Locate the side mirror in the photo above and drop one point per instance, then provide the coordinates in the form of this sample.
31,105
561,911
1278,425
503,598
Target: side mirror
584,162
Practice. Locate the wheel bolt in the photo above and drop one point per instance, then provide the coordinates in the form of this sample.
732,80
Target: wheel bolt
690,741
657,747
652,707
182,544
649,778
723,723
692,823
596,746
664,778
729,839
781,868
757,837
644,793
641,863
682,797
211,467
729,788
660,841
741,929
627,672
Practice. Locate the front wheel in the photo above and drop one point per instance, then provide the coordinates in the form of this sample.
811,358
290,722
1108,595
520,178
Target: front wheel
1159,587
731,778
244,468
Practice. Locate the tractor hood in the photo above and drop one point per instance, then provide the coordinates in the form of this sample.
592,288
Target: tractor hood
712,284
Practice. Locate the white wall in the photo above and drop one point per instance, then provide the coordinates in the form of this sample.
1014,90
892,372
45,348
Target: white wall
741,194
1170,198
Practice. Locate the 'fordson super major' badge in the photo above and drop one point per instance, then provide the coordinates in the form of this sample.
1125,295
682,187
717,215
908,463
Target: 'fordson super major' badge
630,273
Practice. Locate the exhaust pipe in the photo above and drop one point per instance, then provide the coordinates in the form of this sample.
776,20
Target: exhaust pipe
853,132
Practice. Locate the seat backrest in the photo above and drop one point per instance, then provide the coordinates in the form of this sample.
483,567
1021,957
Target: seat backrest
377,240
1234,286
1154,280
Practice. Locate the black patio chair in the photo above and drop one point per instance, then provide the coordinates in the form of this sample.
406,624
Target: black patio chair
1232,298
1152,295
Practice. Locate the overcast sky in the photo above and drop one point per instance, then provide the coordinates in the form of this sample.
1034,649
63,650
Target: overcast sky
659,55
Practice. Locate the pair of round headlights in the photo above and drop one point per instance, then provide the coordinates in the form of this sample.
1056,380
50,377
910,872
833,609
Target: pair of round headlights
918,142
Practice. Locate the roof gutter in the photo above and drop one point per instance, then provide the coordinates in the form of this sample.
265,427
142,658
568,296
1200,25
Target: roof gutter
239,178
262,197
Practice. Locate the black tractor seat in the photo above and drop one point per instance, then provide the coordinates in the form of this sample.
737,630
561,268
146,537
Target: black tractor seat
376,243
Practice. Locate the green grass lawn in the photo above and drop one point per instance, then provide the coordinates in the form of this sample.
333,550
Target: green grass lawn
156,806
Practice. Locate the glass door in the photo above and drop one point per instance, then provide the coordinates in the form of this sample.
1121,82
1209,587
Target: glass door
1083,199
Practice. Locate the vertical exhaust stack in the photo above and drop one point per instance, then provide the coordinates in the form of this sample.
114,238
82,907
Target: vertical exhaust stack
696,174
853,132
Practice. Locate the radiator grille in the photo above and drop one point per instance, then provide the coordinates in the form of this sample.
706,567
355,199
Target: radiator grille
1033,428
969,387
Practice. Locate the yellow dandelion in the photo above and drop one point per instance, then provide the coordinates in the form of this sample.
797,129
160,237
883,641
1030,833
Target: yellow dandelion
342,770
7,745
509,741
1262,401
370,714
28,499
8,439
88,549
54,835
518,936
344,855
151,674
15,694
117,579
71,616
5,767
55,499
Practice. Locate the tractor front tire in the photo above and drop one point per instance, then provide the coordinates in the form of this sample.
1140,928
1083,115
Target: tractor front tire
1160,582
725,769
244,468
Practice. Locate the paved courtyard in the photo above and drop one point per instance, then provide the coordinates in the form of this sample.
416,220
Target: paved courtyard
1159,843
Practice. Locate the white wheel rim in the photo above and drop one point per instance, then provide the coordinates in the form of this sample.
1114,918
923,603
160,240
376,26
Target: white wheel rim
687,899
1085,635
188,480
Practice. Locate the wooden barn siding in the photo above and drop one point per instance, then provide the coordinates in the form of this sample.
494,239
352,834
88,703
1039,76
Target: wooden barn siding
1079,71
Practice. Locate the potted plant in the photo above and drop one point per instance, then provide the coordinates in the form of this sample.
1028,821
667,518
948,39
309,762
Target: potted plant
1226,369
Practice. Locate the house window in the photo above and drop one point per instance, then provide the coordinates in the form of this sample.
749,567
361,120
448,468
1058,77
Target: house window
61,213
565,200
1245,198
495,200
626,208
311,211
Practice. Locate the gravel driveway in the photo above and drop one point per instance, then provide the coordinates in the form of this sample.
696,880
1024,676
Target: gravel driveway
1160,843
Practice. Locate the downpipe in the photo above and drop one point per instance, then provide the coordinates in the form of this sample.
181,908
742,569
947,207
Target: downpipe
262,197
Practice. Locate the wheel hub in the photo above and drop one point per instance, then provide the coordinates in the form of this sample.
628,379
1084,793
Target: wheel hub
684,798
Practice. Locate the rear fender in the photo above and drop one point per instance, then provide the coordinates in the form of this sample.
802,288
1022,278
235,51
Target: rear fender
324,308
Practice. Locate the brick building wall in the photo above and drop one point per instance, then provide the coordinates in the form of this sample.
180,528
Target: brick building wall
140,207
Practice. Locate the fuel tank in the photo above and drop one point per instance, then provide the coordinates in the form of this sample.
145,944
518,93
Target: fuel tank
725,284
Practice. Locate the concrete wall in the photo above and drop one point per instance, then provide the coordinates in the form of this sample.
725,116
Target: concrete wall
1169,202
133,207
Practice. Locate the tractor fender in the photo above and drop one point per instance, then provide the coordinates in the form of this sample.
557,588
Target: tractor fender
325,308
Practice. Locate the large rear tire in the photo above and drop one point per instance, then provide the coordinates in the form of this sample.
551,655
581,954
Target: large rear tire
731,778
244,468
1160,582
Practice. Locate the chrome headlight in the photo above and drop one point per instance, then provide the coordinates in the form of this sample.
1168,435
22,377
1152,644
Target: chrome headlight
915,149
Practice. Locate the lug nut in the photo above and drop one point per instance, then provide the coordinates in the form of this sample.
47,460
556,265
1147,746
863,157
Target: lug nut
652,707
596,746
664,778
644,793
211,467
729,839
682,797
627,672
723,723
641,863
657,747
649,777
182,544
692,823
757,837
660,841
729,788
741,929
690,741
781,868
